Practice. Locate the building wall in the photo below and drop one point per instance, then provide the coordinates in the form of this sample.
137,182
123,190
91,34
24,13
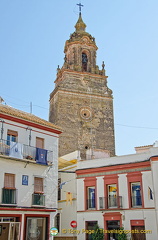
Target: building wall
24,207
104,173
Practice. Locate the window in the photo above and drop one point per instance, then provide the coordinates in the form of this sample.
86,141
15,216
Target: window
38,198
36,228
90,192
11,136
84,62
112,198
9,181
112,195
136,194
135,190
38,185
9,191
91,197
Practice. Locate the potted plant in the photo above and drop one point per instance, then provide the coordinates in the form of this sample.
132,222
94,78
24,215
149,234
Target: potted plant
98,233
122,235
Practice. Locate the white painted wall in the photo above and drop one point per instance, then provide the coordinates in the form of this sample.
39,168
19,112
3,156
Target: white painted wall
68,212
123,189
147,182
51,139
100,189
80,195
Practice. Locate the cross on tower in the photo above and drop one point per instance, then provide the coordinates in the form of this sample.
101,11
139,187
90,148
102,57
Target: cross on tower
80,5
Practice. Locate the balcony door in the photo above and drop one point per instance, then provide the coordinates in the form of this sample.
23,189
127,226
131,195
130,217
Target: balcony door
136,194
112,196
91,197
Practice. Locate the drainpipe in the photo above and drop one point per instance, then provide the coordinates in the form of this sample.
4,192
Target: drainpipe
2,129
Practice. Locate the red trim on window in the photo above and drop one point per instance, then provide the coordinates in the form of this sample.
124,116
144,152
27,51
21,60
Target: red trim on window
89,182
131,178
137,222
12,215
37,216
110,179
15,216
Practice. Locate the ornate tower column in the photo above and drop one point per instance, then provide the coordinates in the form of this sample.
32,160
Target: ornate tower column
81,103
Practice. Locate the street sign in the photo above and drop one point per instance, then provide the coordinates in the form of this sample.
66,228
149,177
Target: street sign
73,224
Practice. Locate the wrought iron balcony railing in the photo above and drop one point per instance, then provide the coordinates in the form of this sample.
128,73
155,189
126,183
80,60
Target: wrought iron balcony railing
9,196
136,201
91,204
28,152
38,199
110,202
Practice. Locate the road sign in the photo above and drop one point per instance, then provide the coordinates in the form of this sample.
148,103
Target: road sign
73,224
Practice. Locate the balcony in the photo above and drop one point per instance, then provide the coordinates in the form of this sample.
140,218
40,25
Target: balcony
110,202
9,196
38,199
26,152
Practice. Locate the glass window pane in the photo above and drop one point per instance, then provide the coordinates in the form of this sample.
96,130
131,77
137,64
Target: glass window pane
136,194
91,197
36,229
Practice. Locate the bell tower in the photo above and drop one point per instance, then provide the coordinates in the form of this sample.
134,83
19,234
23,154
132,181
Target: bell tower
81,103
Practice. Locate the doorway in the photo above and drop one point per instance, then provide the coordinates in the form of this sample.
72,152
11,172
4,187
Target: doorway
138,235
111,226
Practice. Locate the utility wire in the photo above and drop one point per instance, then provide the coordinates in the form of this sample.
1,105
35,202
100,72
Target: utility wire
123,125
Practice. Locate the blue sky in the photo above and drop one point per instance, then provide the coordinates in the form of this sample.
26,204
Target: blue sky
33,34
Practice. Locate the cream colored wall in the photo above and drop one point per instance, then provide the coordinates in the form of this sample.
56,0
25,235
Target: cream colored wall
68,212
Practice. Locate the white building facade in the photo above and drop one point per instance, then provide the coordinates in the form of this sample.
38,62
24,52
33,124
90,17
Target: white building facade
119,192
67,197
29,175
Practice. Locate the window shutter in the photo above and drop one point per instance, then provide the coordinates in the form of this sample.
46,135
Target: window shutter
38,185
39,142
12,133
9,181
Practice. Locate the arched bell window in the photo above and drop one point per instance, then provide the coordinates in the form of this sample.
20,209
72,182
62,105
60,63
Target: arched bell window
84,62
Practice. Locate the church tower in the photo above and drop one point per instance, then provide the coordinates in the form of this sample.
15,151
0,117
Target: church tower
81,103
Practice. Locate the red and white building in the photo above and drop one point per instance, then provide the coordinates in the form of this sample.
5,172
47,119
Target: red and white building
119,192
28,175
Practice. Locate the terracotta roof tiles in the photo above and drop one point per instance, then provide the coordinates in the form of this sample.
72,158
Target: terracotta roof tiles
5,109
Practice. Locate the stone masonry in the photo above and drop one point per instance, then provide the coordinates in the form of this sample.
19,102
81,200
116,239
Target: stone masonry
81,103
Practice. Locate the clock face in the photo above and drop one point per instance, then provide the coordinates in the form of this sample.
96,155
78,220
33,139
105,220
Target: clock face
86,113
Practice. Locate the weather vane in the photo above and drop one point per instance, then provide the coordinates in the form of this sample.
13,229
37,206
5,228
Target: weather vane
80,5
